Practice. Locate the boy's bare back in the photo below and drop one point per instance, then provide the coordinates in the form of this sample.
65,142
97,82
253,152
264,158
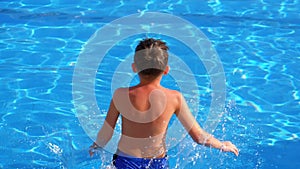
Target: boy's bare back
145,117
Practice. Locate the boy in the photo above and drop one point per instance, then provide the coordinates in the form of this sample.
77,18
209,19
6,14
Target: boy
146,110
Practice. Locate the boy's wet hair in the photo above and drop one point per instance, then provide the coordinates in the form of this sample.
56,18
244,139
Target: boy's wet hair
151,57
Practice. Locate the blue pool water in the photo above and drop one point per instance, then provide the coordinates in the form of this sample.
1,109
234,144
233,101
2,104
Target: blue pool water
256,41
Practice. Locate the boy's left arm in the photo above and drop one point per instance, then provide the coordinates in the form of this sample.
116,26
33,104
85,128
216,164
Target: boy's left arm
197,133
107,130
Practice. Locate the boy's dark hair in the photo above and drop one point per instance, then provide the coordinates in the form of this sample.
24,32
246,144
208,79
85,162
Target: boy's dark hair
151,57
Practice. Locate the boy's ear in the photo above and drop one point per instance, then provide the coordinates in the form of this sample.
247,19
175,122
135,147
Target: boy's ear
166,71
134,69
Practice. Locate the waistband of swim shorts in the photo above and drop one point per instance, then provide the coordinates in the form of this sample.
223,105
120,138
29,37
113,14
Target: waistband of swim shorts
120,153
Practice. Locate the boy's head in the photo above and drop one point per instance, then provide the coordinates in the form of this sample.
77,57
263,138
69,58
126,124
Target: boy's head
151,57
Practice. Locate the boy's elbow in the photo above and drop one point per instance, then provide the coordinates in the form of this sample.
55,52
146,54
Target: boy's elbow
197,139
201,138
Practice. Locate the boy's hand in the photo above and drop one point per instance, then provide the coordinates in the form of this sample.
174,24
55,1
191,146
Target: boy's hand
92,149
229,147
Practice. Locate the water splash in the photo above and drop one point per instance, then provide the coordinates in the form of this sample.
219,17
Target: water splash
233,127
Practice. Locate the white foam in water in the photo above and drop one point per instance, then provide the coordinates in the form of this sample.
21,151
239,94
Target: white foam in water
110,167
55,148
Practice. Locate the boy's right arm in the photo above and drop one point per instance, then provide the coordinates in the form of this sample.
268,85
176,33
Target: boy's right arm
107,130
196,132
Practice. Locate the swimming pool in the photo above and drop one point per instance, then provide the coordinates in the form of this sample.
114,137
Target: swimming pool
256,41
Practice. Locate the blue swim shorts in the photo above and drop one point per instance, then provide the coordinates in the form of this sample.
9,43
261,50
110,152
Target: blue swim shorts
124,161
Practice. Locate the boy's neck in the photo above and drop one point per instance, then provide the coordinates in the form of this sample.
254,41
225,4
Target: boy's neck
155,81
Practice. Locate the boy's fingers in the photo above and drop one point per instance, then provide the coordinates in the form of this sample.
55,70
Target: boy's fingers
235,151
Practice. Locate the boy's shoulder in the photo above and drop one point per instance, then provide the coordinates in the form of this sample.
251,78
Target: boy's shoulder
172,92
125,90
121,91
